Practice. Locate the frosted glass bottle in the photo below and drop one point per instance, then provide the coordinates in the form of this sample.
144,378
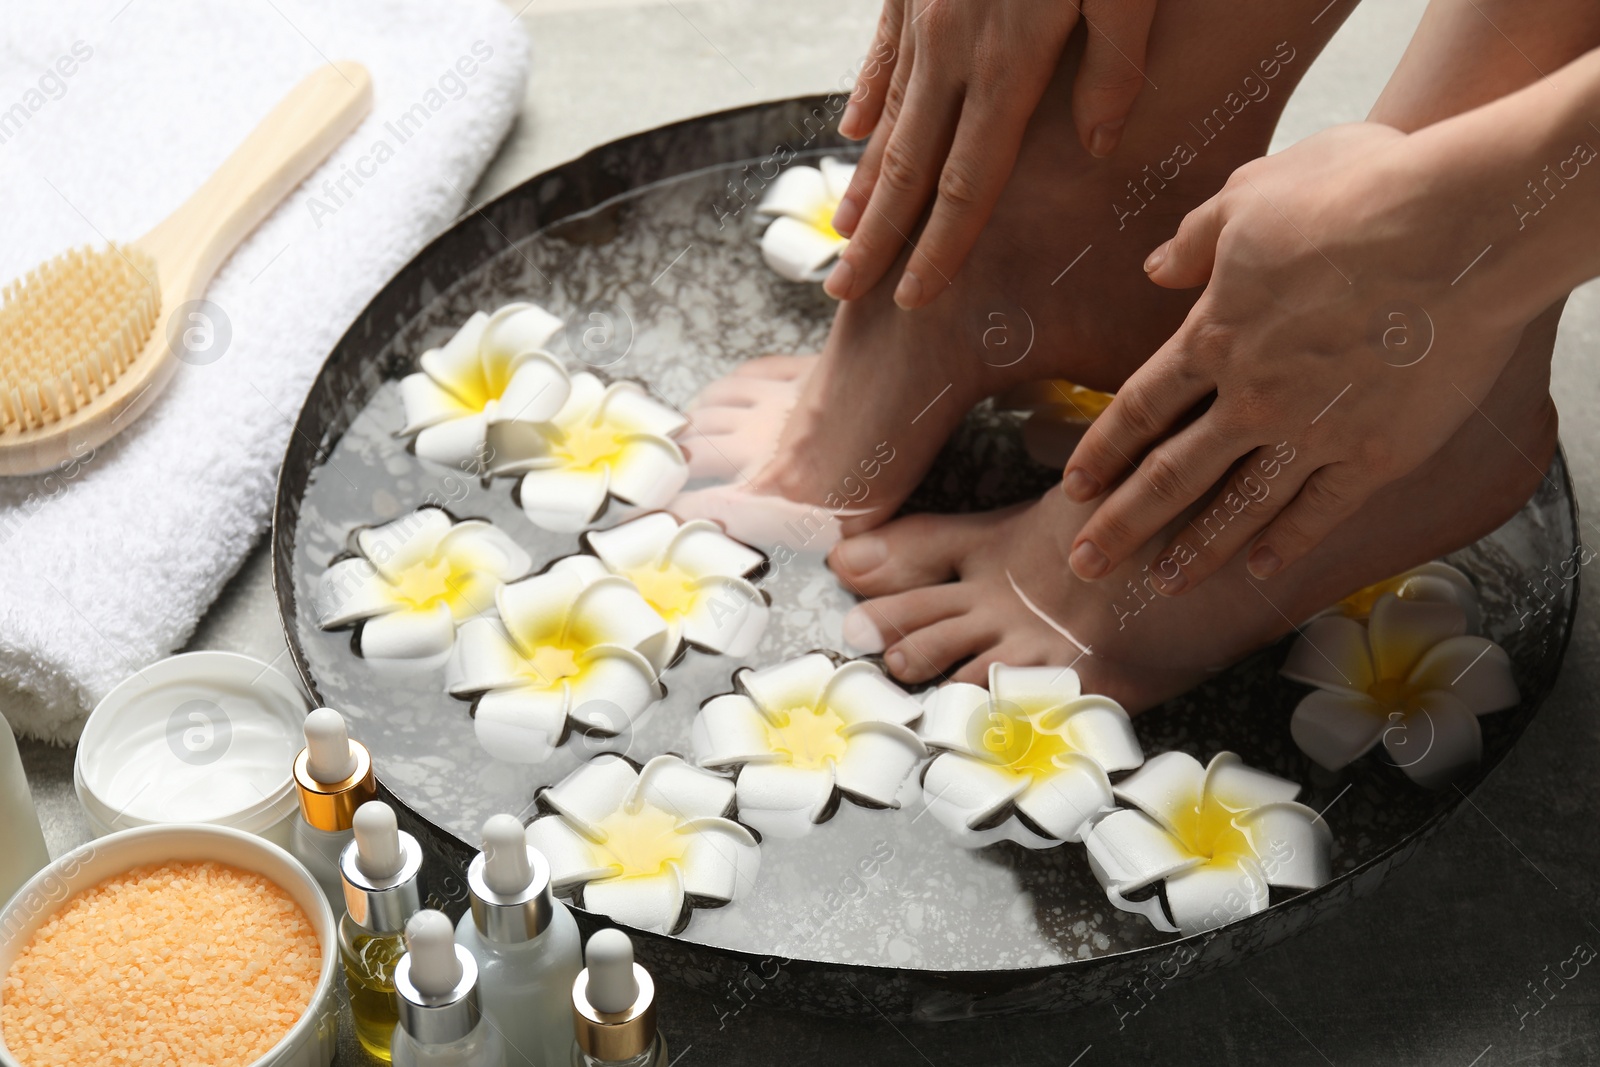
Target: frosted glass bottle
333,777
22,849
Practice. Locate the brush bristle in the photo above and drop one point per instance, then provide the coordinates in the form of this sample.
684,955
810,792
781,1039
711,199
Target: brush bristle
69,328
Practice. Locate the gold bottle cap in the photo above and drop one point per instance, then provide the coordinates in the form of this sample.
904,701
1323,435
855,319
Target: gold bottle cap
627,1030
332,805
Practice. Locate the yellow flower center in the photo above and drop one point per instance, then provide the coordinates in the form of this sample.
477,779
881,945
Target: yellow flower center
446,579
670,589
589,445
641,843
823,219
1208,829
549,664
1392,694
1011,741
809,737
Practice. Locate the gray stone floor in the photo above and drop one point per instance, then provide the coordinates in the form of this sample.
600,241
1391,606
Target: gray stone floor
1438,968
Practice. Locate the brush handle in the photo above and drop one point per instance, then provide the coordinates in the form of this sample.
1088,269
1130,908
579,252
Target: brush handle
296,136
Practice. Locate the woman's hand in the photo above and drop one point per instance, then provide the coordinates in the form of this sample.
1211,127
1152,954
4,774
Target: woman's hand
949,90
1339,342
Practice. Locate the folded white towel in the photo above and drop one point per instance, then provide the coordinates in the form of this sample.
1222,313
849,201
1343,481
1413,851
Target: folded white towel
111,114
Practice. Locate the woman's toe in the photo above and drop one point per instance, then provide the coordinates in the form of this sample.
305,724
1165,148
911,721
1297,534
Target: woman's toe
776,368
930,652
916,551
875,625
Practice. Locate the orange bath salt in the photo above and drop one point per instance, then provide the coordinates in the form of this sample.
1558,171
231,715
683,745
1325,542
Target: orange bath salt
183,963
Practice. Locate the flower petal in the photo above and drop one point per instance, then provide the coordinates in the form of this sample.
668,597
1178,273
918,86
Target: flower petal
641,542
427,403
836,176
951,714
1033,689
963,792
564,501
596,789
859,693
1238,787
1098,727
534,610
878,758
408,634
1291,842
730,730
728,616
514,447
1400,631
611,612
1331,653
1336,728
1131,850
352,589
1439,581
649,471
683,789
1168,788
782,800
795,683
457,366
400,544
573,858
483,658
455,443
1216,894
612,689
521,725
722,859
488,547
699,547
1065,803
537,390
1437,742
1474,669
627,405
800,192
517,330
646,902
798,250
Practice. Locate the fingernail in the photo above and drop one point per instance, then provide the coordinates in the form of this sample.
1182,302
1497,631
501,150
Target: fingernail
860,554
908,294
839,279
1081,485
1263,562
846,215
1088,562
861,634
847,121
1103,141
896,662
1174,585
1154,260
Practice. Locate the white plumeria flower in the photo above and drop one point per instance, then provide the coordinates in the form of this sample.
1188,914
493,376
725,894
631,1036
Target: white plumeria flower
1411,676
1435,582
413,580
803,733
800,243
640,846
572,644
1218,837
695,576
493,370
1025,760
605,440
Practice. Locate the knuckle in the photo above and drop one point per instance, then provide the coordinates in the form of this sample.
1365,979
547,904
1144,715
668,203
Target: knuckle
1138,417
958,186
894,97
897,171
1112,532
1165,475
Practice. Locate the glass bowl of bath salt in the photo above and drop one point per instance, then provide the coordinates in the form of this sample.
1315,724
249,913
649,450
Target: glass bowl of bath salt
127,941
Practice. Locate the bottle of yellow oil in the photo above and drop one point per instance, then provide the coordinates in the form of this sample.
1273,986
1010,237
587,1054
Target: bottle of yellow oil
379,870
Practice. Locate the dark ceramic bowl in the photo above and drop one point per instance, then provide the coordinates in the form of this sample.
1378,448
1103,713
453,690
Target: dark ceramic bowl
649,247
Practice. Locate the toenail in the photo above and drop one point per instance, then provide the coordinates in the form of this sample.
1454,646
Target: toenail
908,294
846,215
1103,141
1081,485
896,662
1174,585
839,280
1088,562
1153,262
860,554
861,633
1263,562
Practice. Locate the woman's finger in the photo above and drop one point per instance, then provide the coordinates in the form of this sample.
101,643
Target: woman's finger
1329,496
1186,260
1112,72
848,214
872,84
1169,481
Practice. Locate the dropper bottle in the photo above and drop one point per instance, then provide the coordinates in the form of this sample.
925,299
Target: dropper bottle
614,1008
333,776
379,870
526,945
441,1020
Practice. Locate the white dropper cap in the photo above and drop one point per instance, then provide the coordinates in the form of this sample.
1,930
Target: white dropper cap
435,969
612,985
377,841
505,855
329,759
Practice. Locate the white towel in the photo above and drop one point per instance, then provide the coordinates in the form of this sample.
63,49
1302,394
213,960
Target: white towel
111,113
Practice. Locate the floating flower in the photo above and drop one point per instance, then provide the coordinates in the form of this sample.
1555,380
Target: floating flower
410,582
605,440
493,370
800,243
1411,676
643,846
1216,837
1025,760
574,644
1436,582
695,576
803,733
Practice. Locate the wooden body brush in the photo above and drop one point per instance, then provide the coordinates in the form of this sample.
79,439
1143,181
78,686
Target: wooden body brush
87,339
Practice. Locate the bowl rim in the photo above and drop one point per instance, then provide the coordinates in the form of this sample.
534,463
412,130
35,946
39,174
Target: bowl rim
122,851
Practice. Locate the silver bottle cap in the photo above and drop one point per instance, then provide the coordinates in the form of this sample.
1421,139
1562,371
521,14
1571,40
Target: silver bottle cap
511,918
382,905
439,1018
